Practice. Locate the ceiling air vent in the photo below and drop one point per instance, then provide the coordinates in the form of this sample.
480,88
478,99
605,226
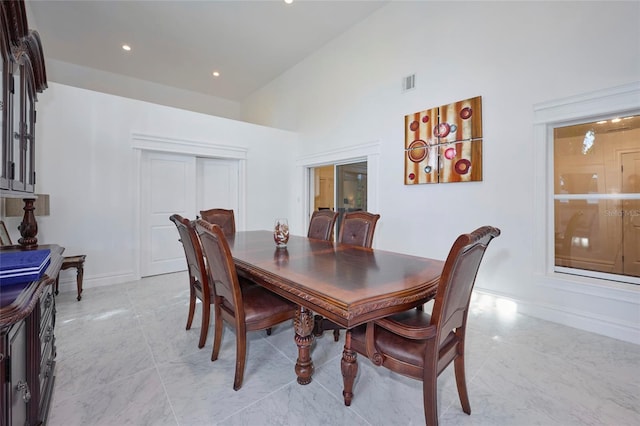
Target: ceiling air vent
409,82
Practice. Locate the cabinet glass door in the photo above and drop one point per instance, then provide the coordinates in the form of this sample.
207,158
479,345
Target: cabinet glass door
17,133
4,152
28,125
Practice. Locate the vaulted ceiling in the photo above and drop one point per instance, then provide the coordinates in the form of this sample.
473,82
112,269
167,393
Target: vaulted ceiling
180,43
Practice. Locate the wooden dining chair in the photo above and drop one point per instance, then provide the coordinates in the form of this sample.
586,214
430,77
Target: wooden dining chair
221,217
357,229
245,307
321,225
199,284
421,345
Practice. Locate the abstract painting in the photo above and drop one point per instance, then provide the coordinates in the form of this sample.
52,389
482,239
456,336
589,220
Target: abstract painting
444,144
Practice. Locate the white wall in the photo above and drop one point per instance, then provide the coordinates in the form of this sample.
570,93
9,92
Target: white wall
86,162
121,85
514,55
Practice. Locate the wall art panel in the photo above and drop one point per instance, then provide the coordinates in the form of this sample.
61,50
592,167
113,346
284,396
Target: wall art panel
444,144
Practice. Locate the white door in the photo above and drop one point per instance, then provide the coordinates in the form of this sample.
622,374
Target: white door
167,187
218,186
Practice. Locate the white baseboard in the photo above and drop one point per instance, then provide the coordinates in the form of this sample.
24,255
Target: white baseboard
68,280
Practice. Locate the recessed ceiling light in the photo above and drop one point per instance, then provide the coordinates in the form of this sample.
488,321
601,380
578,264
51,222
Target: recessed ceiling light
216,74
288,1
126,47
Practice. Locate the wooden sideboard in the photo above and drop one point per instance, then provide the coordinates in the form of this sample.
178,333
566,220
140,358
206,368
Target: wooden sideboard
28,345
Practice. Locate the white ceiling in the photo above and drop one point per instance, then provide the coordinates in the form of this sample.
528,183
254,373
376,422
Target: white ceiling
179,43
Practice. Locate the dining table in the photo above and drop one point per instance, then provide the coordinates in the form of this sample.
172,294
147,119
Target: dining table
346,284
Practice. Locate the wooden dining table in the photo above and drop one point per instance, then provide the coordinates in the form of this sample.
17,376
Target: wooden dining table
346,284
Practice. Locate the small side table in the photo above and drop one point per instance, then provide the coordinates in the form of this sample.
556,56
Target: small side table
74,262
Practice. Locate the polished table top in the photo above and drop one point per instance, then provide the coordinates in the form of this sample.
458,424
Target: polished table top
347,284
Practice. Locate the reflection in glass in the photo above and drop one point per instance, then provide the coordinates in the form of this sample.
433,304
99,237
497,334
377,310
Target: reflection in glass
597,196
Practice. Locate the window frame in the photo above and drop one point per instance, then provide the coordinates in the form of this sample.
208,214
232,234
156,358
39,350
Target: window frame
620,100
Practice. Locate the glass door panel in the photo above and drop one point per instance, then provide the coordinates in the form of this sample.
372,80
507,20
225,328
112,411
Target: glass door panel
351,189
338,187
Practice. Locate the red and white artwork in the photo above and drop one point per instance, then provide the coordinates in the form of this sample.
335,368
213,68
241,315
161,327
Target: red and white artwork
444,144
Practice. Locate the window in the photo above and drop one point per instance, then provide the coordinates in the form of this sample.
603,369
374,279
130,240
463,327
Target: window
596,196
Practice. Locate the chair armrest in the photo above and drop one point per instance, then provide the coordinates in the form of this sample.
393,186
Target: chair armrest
370,345
404,330
409,332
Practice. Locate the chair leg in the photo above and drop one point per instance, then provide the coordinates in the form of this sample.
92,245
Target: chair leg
430,395
206,314
217,334
317,325
192,307
269,331
79,278
461,383
241,357
321,324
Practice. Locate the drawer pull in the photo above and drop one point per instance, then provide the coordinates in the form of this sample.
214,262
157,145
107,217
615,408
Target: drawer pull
24,388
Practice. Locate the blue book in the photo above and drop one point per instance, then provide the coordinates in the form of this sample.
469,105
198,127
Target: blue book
23,266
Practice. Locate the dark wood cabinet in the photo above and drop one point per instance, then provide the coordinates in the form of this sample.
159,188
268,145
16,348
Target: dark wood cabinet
23,76
28,346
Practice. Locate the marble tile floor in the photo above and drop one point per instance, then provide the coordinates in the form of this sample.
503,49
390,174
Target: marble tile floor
125,358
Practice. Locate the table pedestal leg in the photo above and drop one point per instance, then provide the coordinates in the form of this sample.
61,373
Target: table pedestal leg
349,367
303,326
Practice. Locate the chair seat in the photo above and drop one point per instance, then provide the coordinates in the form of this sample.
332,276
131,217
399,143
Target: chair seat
260,303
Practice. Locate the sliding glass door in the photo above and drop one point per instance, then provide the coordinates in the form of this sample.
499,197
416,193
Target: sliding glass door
338,187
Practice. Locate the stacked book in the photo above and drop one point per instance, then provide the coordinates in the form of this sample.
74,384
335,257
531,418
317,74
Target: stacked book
23,266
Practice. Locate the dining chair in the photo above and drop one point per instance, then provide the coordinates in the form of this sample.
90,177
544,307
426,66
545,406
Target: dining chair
357,229
321,225
221,217
421,345
245,308
199,284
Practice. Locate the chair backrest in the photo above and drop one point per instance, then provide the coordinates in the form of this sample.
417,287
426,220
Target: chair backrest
222,268
321,224
357,228
457,280
224,218
192,250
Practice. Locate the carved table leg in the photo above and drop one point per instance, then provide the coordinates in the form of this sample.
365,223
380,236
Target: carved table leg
349,367
303,326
